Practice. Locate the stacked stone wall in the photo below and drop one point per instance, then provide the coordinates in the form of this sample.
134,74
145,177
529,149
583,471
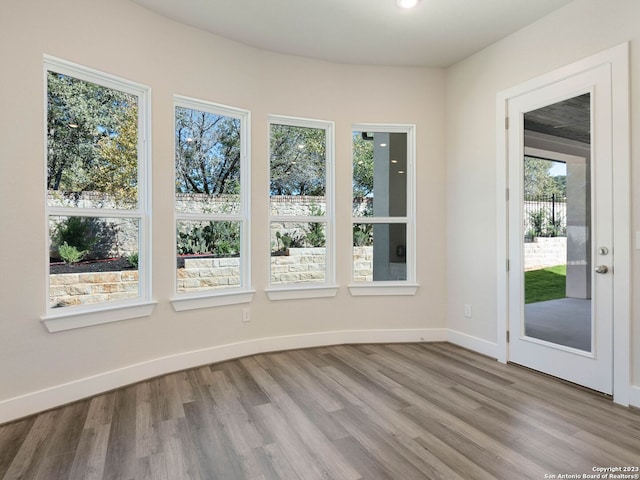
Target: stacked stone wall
545,252
362,264
68,289
301,265
208,273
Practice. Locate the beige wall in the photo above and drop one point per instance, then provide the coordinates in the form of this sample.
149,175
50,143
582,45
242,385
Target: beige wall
580,29
456,224
123,39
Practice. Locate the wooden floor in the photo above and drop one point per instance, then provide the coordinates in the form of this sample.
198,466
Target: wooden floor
398,411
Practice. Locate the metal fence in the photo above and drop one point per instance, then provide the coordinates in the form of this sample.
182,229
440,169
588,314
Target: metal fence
545,216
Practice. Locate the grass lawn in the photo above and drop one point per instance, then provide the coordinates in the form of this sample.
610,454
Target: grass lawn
546,284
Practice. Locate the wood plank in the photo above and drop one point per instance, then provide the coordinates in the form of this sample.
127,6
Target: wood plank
12,437
30,457
396,411
120,461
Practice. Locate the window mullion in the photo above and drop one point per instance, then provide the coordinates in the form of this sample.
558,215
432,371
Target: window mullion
94,212
380,219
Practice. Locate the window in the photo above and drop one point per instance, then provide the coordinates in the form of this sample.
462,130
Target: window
96,197
211,204
383,209
301,208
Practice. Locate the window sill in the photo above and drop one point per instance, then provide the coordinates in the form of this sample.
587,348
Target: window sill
209,300
68,320
383,289
293,293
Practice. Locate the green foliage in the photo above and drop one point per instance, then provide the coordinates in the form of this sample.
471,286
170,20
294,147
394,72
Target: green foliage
297,161
315,236
544,225
207,153
538,220
362,166
538,181
116,168
221,238
362,234
133,260
71,254
545,284
80,116
77,232
289,240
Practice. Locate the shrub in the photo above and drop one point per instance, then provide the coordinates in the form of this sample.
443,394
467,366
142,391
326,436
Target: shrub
217,238
71,254
362,234
76,232
289,240
315,236
133,260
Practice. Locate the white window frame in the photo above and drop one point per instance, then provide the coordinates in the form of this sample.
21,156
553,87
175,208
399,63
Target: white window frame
234,295
58,319
328,288
397,287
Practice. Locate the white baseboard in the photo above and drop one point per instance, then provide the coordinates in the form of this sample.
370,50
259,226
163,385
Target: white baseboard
476,344
634,396
38,401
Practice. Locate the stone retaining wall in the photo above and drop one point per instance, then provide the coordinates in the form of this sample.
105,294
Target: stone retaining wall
68,289
301,265
545,252
208,273
363,264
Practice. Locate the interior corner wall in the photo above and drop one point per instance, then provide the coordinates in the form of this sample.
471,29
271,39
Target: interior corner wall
578,30
121,38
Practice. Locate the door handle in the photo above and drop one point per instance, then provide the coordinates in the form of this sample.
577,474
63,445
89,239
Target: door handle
601,269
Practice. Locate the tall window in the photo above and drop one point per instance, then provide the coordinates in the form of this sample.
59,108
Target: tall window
211,201
383,205
301,205
97,195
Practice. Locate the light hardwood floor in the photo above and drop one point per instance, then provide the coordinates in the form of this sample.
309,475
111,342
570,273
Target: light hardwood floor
396,411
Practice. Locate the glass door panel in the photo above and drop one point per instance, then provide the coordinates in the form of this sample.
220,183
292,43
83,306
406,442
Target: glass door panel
557,225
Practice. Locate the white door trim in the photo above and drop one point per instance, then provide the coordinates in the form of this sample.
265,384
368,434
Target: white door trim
618,58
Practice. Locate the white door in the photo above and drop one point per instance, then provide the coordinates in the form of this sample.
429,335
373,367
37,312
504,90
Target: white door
560,276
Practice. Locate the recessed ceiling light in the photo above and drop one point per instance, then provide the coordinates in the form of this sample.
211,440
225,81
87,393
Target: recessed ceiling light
407,3
400,172
394,161
383,145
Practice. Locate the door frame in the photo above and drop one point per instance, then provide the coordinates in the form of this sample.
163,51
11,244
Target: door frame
618,59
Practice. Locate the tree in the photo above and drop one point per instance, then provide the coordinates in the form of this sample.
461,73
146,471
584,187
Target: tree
298,160
362,166
117,164
79,115
207,153
539,182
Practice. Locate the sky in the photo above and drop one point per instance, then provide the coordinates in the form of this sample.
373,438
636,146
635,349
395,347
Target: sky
559,168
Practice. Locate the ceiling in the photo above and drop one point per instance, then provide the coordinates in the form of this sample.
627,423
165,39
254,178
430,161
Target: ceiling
436,33
570,119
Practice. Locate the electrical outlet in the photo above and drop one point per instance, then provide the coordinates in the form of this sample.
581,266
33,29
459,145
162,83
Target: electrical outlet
246,315
467,311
